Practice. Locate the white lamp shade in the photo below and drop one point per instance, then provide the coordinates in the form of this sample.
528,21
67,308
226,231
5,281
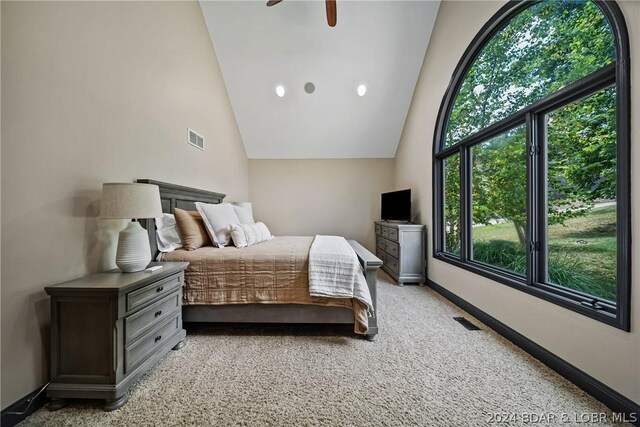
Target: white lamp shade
130,200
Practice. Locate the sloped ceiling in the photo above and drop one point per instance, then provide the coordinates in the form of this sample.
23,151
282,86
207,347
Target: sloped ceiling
380,44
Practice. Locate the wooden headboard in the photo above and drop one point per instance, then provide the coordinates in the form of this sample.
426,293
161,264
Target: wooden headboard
175,196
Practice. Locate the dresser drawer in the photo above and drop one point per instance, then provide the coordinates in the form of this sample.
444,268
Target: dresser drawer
155,291
393,234
378,229
392,263
392,248
381,254
142,349
385,232
380,243
146,319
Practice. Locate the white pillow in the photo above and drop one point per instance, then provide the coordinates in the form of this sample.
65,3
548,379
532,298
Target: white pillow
167,234
244,235
244,210
217,219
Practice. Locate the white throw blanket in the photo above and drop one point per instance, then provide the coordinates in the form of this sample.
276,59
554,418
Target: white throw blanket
335,272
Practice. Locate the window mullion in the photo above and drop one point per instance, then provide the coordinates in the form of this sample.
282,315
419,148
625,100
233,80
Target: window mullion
438,206
532,191
541,211
465,203
536,196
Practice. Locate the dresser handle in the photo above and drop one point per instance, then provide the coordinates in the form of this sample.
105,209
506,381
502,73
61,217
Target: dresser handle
160,289
158,313
158,338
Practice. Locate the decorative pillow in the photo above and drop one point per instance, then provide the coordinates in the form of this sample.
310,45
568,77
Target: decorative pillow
244,235
191,229
217,219
244,210
167,234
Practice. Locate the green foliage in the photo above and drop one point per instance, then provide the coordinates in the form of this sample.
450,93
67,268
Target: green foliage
502,254
564,269
500,179
452,204
542,49
545,47
586,243
581,155
571,273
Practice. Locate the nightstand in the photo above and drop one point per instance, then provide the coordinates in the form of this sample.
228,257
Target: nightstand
108,329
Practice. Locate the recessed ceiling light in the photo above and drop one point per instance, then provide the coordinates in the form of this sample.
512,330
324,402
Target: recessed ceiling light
309,87
362,89
280,91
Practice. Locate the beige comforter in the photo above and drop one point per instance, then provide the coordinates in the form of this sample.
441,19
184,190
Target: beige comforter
272,272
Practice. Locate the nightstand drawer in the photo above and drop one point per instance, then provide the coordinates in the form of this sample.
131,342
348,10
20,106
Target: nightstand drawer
393,234
392,263
392,248
155,291
144,347
146,319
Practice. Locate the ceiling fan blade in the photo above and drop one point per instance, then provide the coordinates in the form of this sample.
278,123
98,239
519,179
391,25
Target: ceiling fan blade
332,15
273,2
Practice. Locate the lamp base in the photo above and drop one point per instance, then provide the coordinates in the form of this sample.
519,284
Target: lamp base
134,252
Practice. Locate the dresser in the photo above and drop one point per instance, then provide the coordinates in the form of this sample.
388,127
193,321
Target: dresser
401,247
108,329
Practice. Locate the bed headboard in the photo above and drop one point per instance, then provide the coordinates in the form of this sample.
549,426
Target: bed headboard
176,196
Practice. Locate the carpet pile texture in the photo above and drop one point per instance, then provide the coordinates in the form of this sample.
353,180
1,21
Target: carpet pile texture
425,369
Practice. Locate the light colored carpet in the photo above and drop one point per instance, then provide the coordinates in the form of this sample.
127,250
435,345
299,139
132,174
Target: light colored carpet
425,369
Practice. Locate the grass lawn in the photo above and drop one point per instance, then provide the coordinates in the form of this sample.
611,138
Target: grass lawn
587,244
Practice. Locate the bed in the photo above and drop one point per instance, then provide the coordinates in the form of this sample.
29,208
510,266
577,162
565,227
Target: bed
265,283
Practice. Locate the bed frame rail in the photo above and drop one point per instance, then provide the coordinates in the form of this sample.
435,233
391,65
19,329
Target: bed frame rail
370,264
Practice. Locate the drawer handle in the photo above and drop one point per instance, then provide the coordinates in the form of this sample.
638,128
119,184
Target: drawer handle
158,338
160,289
158,313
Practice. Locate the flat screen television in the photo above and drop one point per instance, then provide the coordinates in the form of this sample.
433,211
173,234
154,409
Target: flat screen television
396,206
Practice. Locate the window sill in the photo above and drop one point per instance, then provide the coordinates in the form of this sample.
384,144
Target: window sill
521,285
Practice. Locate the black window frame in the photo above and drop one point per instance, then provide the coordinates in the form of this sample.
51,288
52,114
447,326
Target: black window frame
618,74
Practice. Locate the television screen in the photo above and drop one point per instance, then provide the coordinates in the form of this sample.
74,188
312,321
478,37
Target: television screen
396,206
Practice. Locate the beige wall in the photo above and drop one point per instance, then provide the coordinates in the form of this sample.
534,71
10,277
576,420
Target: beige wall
324,196
608,354
95,92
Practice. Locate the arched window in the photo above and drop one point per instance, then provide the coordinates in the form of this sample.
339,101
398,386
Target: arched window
531,156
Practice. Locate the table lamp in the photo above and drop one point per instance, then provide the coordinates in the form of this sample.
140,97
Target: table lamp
131,201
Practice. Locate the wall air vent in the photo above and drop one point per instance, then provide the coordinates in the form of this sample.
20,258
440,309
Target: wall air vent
195,139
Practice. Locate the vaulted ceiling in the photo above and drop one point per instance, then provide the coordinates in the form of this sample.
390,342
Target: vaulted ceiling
379,44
